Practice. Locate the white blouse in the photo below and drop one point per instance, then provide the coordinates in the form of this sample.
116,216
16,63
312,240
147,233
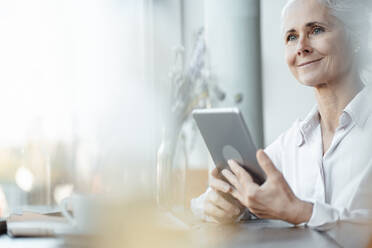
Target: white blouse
338,183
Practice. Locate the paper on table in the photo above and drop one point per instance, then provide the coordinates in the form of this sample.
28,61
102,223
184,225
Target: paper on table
30,224
32,216
40,209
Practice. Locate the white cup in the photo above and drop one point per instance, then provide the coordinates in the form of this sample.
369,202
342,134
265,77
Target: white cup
84,208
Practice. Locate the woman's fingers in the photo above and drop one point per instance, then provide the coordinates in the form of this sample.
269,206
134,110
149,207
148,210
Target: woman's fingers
242,175
214,173
231,178
239,178
212,210
224,204
219,185
237,195
266,164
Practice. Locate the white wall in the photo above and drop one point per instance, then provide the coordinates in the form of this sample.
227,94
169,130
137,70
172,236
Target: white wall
284,99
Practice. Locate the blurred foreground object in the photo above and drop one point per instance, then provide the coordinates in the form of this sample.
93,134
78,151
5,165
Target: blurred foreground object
3,204
190,88
137,223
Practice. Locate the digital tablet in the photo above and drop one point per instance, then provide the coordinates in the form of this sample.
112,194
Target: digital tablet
227,137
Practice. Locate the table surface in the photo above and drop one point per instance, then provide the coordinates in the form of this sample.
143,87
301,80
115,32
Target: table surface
263,233
258,233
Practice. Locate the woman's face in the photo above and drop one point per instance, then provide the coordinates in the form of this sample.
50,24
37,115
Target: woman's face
316,48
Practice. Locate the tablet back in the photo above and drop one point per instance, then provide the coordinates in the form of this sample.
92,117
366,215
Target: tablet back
227,137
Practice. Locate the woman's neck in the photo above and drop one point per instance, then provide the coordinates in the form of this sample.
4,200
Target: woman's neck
333,97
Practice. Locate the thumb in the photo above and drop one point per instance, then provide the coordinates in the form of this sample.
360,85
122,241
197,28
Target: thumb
266,163
215,173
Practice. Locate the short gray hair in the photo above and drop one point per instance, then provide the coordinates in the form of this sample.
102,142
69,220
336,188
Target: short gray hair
355,15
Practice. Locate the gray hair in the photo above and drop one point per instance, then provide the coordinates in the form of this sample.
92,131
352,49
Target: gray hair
355,15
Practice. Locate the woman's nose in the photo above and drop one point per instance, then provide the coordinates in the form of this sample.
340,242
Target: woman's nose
303,47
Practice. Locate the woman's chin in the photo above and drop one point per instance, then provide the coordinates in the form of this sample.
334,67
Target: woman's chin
311,81
310,84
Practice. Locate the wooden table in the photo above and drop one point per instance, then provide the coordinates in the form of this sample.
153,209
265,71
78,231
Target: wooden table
248,234
262,233
253,233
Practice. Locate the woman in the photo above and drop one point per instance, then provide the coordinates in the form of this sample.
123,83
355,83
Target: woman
318,171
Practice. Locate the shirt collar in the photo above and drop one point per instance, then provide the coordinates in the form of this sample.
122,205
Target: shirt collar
310,122
360,108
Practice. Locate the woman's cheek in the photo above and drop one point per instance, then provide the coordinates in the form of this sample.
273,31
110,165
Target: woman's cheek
291,62
290,59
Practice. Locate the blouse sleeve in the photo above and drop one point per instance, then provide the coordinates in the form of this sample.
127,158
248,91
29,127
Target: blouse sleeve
358,210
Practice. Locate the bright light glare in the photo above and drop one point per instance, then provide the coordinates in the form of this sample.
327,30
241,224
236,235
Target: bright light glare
72,73
24,179
63,65
62,191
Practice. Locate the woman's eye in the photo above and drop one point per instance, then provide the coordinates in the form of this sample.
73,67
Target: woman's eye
291,37
318,30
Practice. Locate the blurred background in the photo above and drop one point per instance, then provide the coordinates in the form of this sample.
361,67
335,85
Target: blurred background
76,98
88,89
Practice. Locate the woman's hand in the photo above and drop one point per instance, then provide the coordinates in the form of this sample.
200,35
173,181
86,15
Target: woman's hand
272,200
219,204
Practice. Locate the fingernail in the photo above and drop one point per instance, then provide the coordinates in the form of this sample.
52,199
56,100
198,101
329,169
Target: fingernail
237,211
227,189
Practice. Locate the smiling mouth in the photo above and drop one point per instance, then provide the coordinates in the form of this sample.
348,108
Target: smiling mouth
309,62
